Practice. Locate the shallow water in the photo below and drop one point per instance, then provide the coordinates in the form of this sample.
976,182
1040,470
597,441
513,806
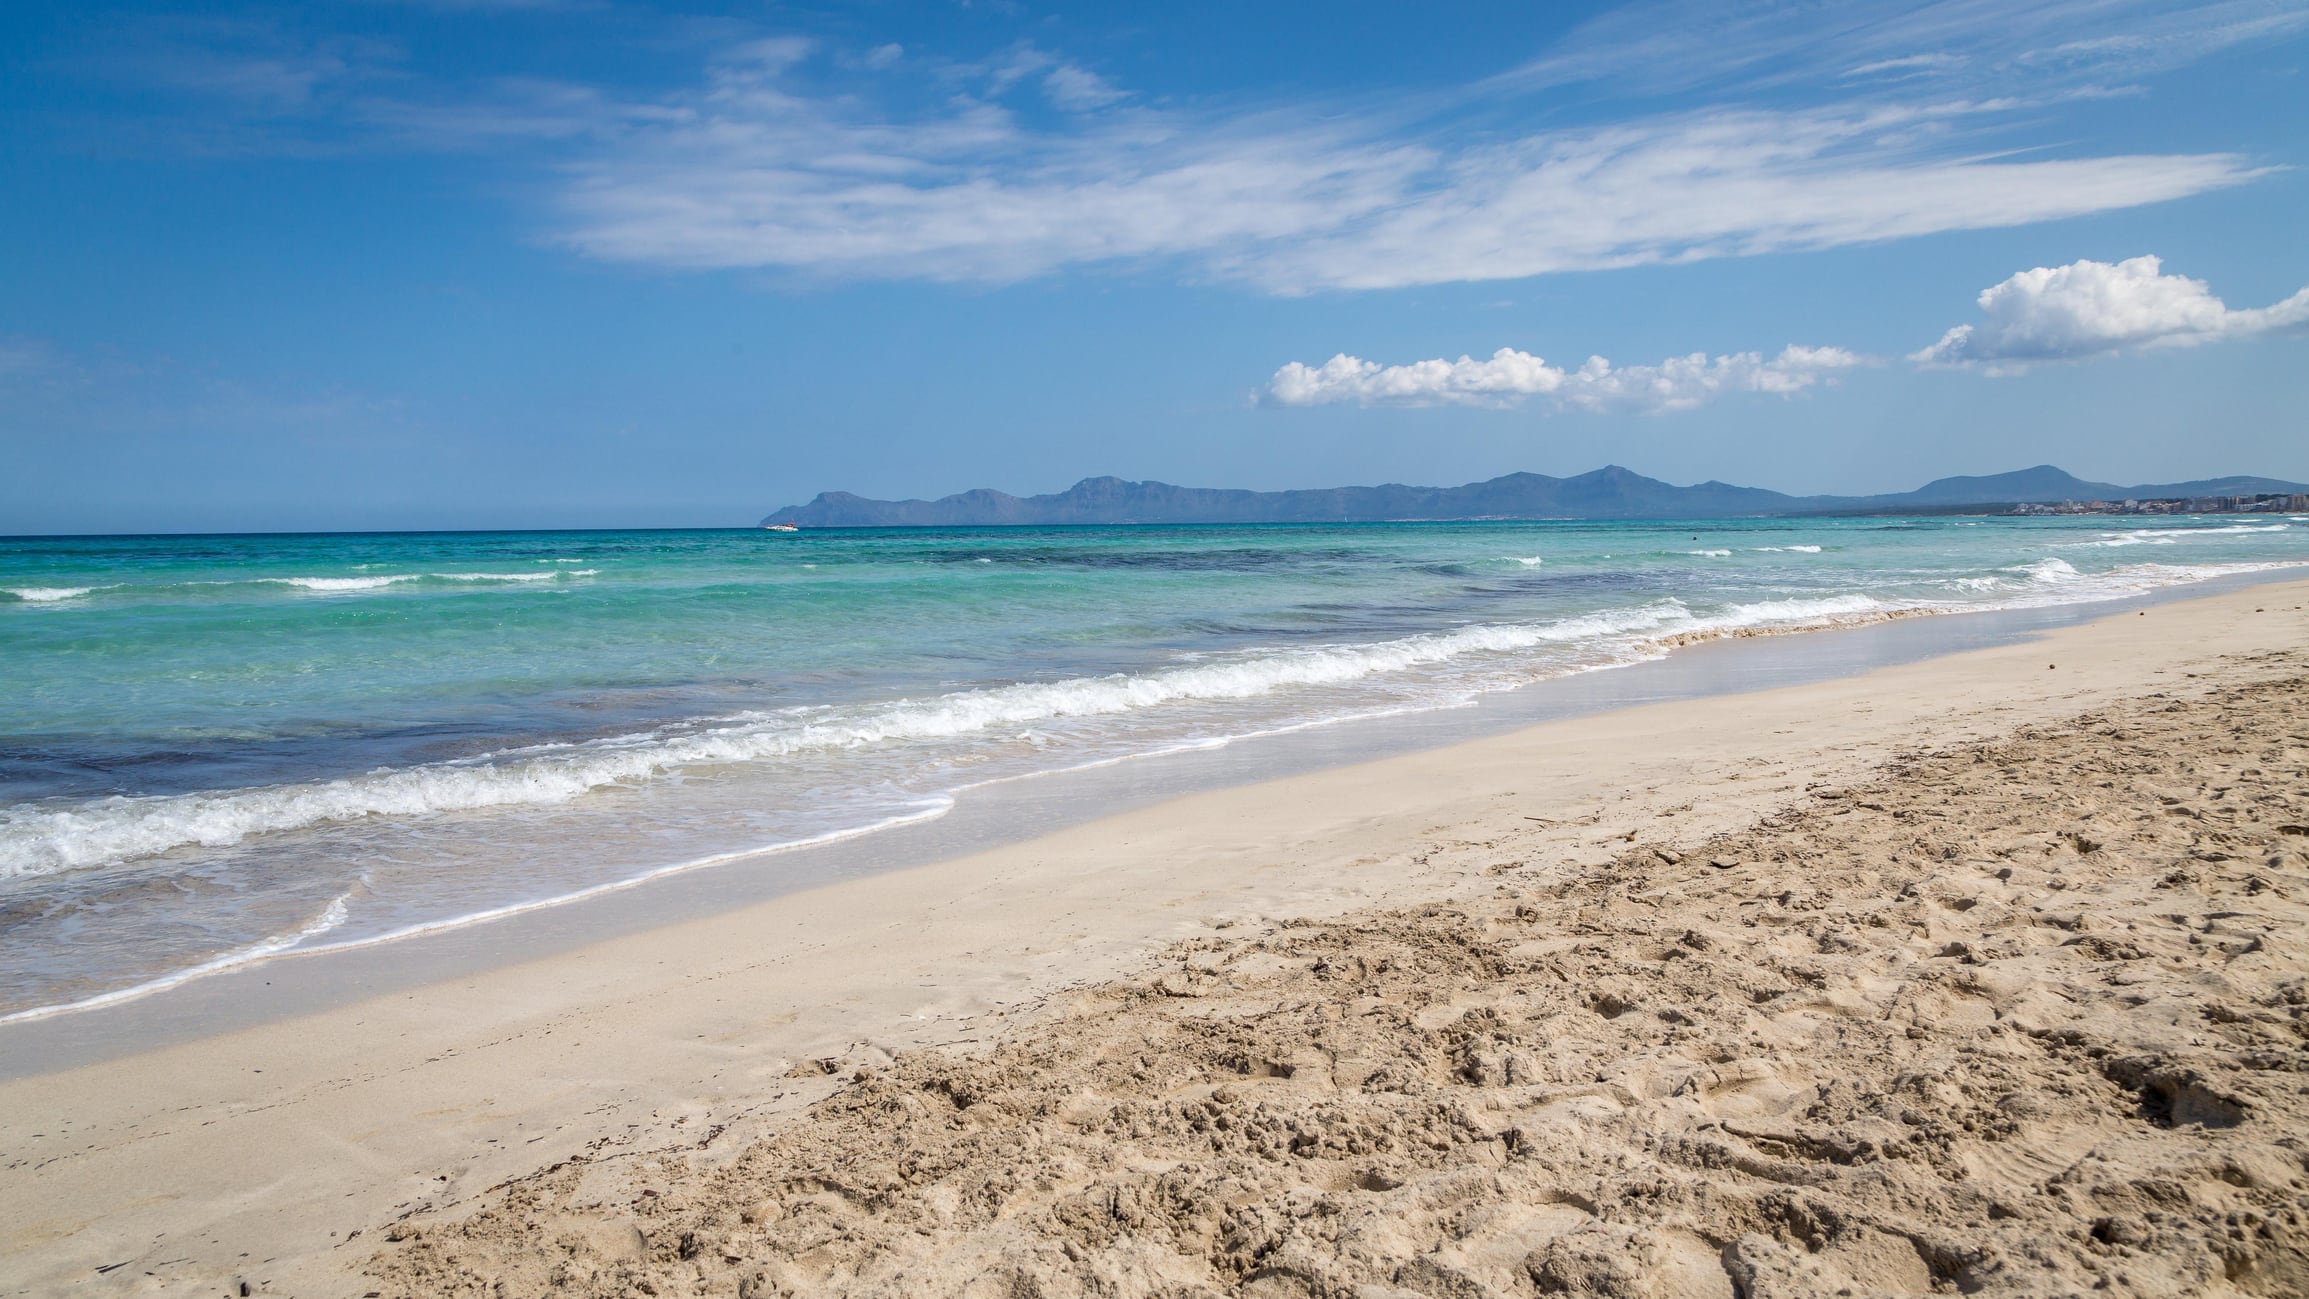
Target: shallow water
217,748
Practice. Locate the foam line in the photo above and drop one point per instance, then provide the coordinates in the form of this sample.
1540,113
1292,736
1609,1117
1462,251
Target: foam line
333,917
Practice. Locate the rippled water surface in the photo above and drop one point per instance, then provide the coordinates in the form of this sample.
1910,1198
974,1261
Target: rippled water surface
217,748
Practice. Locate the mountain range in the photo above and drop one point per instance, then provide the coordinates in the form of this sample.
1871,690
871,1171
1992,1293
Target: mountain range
1608,493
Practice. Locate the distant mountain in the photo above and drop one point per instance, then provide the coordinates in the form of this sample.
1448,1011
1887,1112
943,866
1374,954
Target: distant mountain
2041,484
2048,485
1608,493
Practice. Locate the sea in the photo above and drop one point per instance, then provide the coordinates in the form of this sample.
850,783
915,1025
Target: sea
215,750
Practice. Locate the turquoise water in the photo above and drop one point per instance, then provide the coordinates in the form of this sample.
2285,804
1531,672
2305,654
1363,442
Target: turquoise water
217,748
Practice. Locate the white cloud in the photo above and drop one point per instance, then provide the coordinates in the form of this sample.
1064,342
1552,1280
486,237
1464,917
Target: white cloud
1078,90
752,176
240,65
1508,377
1913,65
1655,46
2087,308
933,169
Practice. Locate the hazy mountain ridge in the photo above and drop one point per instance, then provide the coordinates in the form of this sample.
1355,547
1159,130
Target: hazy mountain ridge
1608,493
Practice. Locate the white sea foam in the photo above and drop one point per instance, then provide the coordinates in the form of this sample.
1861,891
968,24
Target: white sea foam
2176,535
1802,550
334,915
2055,581
49,594
2049,571
1533,561
1712,554
341,585
1798,611
337,584
330,918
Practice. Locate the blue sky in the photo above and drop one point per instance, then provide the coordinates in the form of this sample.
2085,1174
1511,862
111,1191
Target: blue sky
474,263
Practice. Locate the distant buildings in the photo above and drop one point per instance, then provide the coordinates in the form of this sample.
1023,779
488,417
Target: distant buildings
2264,503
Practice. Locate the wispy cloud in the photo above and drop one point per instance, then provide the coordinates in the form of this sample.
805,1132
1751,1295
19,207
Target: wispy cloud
788,156
226,85
1508,377
1079,89
752,175
1668,46
24,359
2090,308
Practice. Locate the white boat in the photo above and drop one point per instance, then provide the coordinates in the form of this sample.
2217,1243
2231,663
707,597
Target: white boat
779,527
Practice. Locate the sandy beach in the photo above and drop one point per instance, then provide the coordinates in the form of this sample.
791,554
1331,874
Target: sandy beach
1980,973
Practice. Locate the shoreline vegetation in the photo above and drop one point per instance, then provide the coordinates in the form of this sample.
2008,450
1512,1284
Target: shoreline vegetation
1984,971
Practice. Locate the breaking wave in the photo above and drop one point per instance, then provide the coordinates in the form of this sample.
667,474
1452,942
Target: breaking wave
41,840
2174,536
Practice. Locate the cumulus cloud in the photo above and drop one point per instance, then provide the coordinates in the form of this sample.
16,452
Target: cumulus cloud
2088,308
1508,377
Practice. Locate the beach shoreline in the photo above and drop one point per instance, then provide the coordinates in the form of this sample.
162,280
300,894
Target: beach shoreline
260,1148
236,991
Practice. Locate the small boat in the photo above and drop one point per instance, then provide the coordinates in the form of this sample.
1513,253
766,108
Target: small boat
779,527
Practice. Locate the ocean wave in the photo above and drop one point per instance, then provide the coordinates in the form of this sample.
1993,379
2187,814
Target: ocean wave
339,585
49,594
1801,550
38,839
2174,536
334,584
1533,561
2048,571
2056,581
1711,554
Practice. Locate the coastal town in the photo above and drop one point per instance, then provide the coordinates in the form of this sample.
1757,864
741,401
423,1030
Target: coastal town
2264,503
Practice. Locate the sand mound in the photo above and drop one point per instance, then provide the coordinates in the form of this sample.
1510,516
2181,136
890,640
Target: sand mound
2021,1018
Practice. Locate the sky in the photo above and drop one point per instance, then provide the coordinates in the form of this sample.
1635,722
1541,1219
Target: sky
354,264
